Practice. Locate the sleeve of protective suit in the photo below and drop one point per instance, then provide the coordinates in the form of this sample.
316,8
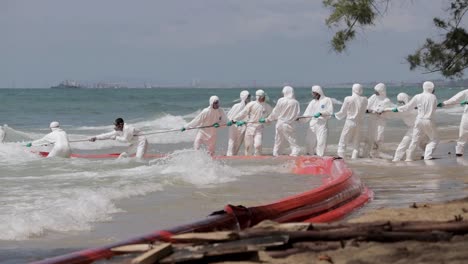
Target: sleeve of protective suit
224,118
198,120
327,111
307,112
243,114
47,139
268,109
234,111
410,105
344,109
127,135
275,113
109,135
370,102
456,99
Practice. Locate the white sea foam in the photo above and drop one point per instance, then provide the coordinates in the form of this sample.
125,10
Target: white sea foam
196,167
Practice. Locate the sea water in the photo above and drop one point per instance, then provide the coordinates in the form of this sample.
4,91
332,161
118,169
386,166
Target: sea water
53,206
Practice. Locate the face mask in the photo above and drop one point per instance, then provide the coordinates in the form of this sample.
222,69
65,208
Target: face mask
316,96
377,93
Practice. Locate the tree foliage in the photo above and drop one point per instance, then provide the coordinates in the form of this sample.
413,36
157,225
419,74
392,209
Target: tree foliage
448,55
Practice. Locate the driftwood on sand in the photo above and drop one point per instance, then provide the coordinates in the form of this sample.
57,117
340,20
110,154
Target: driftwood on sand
281,240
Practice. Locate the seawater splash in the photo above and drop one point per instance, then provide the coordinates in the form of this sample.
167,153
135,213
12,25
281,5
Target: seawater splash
62,195
15,153
197,168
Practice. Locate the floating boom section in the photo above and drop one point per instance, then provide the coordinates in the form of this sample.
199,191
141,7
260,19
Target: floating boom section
340,194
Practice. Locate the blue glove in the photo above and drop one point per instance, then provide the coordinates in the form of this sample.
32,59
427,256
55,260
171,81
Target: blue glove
29,145
440,105
317,115
240,123
216,125
183,129
229,123
395,110
262,120
464,102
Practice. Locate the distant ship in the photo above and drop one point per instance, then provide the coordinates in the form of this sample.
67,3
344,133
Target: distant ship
68,85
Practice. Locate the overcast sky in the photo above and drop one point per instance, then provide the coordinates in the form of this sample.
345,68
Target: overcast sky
215,41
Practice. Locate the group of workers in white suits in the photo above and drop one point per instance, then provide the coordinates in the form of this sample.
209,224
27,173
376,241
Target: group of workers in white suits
247,118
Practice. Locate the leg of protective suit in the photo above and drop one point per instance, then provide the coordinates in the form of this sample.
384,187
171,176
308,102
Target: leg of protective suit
431,131
463,135
311,141
322,134
258,141
290,135
211,145
371,134
279,139
239,140
141,148
198,141
356,140
415,138
344,138
249,141
379,136
403,146
232,140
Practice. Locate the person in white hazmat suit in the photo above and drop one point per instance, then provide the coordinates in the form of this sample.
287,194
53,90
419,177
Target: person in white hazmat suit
408,118
426,102
253,112
59,138
286,111
317,113
126,133
236,133
462,98
353,109
376,120
210,119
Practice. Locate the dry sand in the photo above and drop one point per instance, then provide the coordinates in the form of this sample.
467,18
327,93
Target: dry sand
454,251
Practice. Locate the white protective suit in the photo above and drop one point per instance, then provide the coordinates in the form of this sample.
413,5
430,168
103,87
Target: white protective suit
236,133
353,109
408,118
58,138
318,127
252,112
376,120
207,117
463,133
426,102
286,111
131,135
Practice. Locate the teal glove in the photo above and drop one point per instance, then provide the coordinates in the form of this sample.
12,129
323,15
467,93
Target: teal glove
183,129
216,125
317,115
464,102
240,123
440,105
262,120
229,123
395,110
29,145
